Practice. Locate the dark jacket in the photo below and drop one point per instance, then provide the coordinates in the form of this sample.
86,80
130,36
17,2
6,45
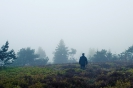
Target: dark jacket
83,60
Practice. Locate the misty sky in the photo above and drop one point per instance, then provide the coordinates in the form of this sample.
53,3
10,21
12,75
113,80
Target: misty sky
82,24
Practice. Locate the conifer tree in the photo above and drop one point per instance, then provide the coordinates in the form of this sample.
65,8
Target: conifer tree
61,53
6,56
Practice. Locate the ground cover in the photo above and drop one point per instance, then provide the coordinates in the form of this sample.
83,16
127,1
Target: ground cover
96,75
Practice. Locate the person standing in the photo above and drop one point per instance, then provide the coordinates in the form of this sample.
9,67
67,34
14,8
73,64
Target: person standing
83,61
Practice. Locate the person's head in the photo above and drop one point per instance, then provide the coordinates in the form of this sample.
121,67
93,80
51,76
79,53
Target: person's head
83,54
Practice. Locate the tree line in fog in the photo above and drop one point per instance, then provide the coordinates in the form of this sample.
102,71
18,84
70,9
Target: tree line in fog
28,56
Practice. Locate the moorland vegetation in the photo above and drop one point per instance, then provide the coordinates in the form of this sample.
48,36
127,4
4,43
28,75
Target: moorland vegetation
96,75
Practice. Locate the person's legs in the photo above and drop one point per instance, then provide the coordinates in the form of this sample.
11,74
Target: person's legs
82,66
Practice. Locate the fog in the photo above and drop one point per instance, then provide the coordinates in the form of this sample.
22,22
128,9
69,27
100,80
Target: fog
82,24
